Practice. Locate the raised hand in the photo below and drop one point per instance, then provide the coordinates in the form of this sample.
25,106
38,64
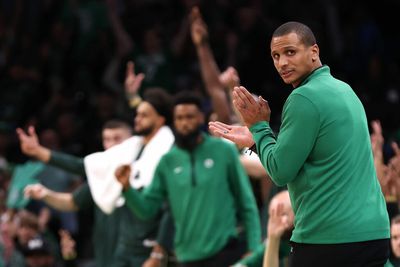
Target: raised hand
252,110
158,257
240,135
122,173
377,139
198,27
394,162
29,141
229,78
36,191
67,245
133,81
278,221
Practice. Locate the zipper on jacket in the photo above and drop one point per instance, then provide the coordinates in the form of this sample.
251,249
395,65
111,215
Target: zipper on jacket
192,163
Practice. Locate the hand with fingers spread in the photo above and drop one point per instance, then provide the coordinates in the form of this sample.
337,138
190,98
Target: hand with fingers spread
240,135
251,110
30,146
278,222
122,173
133,81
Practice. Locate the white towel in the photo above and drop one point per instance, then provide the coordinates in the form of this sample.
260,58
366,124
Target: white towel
100,167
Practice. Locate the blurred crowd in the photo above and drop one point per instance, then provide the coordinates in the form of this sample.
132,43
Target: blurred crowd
63,70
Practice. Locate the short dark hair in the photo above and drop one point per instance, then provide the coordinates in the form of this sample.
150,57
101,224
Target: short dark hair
161,102
117,124
303,31
187,97
28,220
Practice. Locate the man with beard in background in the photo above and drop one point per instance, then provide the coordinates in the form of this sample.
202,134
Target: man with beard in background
206,189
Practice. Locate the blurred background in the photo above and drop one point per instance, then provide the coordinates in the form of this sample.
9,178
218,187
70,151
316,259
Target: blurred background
63,62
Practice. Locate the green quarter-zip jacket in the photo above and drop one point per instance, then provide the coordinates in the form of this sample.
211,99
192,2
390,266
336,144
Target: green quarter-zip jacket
207,190
323,154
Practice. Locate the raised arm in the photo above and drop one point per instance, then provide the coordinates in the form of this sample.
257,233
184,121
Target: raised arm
209,69
377,142
277,224
30,146
132,84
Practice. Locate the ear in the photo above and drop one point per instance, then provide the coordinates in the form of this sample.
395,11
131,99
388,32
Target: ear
314,52
161,121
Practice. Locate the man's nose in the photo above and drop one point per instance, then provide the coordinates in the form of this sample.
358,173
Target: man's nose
282,61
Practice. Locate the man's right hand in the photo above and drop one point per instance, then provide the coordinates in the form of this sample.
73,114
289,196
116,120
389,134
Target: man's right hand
36,191
240,135
133,81
278,222
198,29
30,146
158,257
29,141
122,173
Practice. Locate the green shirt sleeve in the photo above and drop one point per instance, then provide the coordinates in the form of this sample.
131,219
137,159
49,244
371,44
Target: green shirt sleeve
147,203
245,201
82,197
284,157
67,162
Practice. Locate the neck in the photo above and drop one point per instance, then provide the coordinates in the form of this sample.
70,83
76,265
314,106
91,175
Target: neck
317,65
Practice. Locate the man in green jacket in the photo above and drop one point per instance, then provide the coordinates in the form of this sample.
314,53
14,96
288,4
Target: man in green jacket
323,154
206,189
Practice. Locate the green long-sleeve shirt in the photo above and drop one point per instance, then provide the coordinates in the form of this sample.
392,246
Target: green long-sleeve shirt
323,154
206,189
67,162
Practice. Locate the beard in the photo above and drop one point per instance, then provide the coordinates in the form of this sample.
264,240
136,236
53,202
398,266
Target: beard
145,131
187,141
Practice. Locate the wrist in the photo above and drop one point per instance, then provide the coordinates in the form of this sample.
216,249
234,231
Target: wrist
43,154
274,237
202,43
133,100
69,256
157,255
